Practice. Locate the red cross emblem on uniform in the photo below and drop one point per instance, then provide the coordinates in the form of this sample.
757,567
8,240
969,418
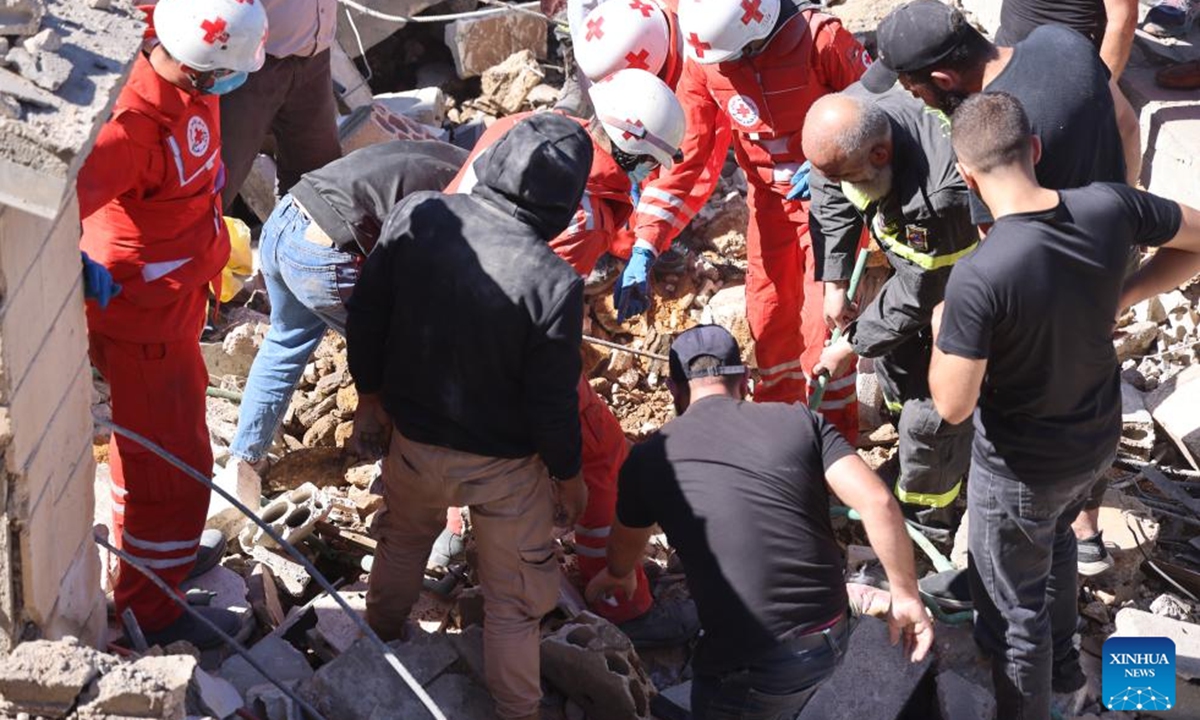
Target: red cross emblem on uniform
698,45
645,9
214,30
637,61
626,135
752,11
594,31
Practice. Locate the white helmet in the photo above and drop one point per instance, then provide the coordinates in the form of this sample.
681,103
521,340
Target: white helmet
718,30
622,34
640,114
213,34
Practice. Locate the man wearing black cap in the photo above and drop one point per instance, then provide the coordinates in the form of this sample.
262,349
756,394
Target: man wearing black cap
1065,90
742,491
1055,72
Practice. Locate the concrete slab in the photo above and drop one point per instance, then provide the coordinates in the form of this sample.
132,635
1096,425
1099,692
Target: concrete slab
1138,623
283,661
479,43
1174,405
373,30
1170,122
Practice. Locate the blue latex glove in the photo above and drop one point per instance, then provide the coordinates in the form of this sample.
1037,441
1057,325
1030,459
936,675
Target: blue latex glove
800,187
98,284
631,294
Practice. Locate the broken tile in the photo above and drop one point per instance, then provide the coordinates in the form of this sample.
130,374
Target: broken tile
280,657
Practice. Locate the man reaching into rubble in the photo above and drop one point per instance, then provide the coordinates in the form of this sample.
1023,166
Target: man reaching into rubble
1026,334
311,249
639,124
749,517
149,198
886,161
464,333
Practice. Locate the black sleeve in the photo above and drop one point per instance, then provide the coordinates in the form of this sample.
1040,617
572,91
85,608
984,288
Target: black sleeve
551,385
902,309
632,509
1156,220
835,226
969,316
833,446
369,318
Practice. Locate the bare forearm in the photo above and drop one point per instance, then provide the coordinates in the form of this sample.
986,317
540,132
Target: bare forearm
884,524
1118,35
1165,271
1131,134
625,548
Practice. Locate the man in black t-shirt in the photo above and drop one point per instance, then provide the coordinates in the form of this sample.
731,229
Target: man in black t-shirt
1109,24
1026,333
1088,131
742,491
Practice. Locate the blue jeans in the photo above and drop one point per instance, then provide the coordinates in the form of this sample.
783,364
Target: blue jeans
774,687
1022,570
308,285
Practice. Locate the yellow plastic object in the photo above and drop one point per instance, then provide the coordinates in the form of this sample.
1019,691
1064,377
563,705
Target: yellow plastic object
241,260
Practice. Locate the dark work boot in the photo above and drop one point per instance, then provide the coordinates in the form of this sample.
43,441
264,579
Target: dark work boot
663,625
210,552
197,633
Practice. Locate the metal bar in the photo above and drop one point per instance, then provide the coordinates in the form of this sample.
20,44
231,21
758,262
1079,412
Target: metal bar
860,265
100,537
1171,490
388,654
622,348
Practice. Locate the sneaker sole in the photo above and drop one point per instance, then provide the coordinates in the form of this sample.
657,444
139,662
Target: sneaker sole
1096,567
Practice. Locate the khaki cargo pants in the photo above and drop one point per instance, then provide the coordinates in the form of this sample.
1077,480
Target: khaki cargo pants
512,514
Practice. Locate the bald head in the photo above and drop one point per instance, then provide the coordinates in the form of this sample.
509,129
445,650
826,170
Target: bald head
842,132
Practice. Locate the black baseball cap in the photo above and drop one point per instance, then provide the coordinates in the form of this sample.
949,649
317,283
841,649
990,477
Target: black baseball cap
704,340
913,37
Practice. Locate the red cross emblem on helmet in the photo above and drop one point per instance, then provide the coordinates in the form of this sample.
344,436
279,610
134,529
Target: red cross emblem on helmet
637,61
752,12
594,29
215,30
627,135
698,45
644,8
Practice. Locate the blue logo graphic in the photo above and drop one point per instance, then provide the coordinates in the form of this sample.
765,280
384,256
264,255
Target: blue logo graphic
1139,673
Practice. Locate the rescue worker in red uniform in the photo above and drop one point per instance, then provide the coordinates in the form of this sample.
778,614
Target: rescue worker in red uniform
149,199
759,65
639,122
642,34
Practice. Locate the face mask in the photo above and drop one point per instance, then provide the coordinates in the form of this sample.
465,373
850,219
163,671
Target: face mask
227,84
640,173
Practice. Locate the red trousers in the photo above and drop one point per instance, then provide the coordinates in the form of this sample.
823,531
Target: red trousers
158,391
604,451
785,309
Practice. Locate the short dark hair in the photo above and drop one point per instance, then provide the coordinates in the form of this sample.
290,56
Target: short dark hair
991,130
966,58
709,362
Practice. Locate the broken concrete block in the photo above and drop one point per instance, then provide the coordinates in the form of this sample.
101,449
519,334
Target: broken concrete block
258,191
239,480
44,678
152,687
425,105
46,40
360,685
727,308
348,83
1174,405
235,354
1132,622
374,124
272,704
1137,426
961,699
506,86
292,576
46,69
217,696
1150,310
283,661
479,43
336,632
875,679
228,589
458,696
20,17
542,96
1135,340
1171,606
594,664
293,516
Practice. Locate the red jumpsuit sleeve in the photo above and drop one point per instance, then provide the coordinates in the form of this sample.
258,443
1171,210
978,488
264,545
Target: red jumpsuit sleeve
668,203
840,60
591,232
113,167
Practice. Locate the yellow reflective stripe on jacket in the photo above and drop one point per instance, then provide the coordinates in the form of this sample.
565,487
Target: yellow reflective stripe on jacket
933,500
920,259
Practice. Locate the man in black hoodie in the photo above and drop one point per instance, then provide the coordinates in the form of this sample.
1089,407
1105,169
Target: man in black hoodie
464,335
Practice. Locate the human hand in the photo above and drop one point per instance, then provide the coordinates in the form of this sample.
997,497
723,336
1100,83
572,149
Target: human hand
800,187
98,283
840,308
570,499
631,294
372,428
909,619
835,359
604,584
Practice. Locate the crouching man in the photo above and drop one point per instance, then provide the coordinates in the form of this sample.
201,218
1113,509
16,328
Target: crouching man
742,491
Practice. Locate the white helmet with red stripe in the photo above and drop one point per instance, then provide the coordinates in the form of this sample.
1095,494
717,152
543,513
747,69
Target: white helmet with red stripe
640,114
213,34
719,30
622,35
